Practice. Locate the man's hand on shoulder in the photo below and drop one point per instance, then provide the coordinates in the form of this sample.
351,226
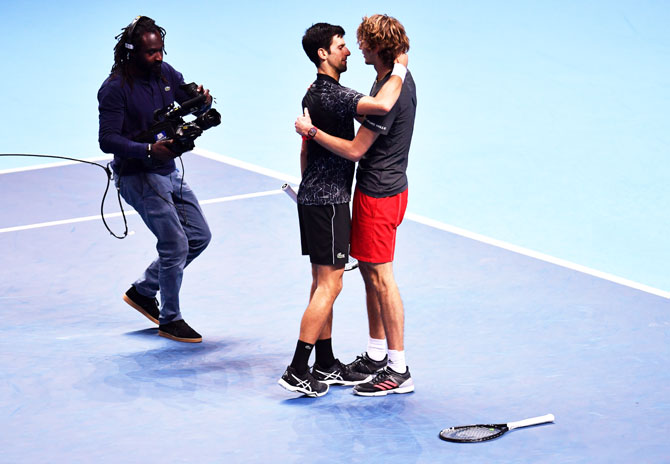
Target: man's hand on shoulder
303,124
403,59
162,150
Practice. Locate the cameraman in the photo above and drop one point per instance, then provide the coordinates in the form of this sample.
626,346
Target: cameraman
146,175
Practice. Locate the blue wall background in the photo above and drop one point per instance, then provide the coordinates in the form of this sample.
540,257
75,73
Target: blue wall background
543,124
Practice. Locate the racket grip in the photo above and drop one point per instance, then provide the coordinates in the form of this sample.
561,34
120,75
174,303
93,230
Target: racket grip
531,421
288,190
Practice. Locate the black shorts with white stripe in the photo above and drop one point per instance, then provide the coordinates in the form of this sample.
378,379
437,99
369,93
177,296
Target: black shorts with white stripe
324,233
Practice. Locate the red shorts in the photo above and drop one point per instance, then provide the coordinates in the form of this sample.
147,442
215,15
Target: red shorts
373,226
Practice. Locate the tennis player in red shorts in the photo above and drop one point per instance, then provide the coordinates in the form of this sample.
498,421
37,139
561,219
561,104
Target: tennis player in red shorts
323,207
381,147
374,225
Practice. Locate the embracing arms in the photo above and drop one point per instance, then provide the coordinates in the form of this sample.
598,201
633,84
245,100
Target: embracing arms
382,103
352,150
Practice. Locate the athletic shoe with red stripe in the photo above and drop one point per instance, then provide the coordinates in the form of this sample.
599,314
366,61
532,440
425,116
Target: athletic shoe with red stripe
387,381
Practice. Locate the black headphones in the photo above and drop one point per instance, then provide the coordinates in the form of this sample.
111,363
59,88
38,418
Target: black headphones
131,29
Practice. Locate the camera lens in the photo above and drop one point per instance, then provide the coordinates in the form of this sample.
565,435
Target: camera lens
190,89
209,118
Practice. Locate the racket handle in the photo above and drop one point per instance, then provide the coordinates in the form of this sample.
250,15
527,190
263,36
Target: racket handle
531,421
351,266
288,190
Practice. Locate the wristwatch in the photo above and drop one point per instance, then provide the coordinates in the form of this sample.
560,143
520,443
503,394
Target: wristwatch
311,133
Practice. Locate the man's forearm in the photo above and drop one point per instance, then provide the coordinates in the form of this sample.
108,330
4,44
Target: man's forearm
341,147
353,150
383,102
121,146
388,95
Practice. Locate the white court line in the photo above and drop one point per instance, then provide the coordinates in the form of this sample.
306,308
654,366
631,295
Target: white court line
132,212
535,254
248,166
411,216
54,165
458,231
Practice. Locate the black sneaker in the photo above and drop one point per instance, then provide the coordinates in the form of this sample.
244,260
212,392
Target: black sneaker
179,331
147,306
305,384
339,374
365,365
387,381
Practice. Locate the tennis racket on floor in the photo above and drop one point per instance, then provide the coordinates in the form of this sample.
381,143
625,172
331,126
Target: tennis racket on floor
288,190
485,432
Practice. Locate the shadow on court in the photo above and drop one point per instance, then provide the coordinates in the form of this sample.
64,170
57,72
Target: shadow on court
491,336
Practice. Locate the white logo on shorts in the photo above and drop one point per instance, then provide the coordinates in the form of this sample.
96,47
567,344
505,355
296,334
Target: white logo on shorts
340,255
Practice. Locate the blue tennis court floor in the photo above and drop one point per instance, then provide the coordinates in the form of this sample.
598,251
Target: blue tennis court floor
491,336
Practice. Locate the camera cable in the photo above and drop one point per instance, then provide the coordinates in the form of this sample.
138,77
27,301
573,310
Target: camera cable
109,174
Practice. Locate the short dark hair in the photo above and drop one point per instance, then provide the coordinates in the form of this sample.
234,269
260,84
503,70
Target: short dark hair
142,25
320,35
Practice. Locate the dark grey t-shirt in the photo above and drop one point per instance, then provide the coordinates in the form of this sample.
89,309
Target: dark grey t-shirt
382,172
327,178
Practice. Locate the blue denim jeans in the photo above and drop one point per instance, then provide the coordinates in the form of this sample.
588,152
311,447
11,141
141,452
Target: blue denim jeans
172,213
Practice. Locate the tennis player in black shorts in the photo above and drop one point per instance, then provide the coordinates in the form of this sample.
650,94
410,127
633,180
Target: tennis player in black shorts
323,207
382,147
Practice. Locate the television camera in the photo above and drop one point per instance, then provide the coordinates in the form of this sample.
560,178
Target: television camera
170,125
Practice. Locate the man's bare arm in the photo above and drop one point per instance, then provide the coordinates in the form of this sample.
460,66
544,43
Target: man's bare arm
381,103
353,150
387,96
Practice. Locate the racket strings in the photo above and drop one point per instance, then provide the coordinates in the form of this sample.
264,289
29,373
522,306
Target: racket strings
472,433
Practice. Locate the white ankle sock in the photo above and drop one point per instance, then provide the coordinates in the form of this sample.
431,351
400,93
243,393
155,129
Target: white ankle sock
376,349
397,361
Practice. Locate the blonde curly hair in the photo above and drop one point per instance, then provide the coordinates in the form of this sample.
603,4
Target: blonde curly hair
385,34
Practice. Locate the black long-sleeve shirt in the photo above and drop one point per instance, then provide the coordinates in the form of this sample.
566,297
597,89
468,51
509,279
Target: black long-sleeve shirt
127,110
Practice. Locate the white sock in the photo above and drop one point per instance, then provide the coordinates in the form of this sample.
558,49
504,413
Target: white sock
376,348
397,361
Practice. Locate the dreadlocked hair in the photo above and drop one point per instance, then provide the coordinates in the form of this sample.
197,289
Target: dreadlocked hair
122,54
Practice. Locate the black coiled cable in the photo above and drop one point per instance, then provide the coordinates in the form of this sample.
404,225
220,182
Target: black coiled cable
109,174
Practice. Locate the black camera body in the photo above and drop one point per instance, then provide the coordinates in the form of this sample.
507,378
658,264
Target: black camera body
170,125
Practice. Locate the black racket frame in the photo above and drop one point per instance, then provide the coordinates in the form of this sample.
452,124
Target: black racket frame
502,429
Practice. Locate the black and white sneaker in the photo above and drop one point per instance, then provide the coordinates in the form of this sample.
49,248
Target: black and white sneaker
305,384
339,374
387,381
365,365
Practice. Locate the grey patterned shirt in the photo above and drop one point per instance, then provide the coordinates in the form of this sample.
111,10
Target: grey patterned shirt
327,178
